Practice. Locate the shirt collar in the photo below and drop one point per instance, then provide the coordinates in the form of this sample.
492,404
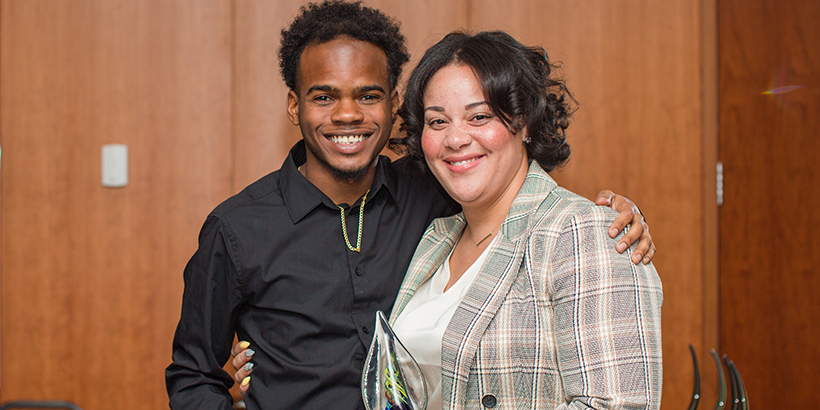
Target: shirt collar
301,197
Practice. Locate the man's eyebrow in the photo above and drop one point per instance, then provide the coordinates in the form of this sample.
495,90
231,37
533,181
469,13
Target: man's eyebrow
325,88
368,88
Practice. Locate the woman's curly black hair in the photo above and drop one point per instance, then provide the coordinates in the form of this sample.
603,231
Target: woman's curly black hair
515,79
322,22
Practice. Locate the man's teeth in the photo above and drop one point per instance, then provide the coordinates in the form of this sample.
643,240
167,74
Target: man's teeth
348,139
463,162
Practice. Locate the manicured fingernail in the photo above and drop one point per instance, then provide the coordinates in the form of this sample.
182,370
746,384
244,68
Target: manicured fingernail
636,257
621,246
613,232
244,345
249,352
646,260
248,367
246,380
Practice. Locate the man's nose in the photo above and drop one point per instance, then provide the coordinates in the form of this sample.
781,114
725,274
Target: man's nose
347,111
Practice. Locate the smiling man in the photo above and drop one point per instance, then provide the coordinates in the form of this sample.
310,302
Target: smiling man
344,105
299,261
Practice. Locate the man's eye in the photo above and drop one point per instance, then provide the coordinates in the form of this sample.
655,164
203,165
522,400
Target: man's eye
369,98
321,98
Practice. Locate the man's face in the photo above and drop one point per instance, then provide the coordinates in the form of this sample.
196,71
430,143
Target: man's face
344,107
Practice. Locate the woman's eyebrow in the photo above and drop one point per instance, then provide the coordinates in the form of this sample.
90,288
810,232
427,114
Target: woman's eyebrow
475,104
466,107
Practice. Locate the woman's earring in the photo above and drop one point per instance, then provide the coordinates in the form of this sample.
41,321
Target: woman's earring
527,139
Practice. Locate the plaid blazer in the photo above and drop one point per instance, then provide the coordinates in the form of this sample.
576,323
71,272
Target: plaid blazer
556,318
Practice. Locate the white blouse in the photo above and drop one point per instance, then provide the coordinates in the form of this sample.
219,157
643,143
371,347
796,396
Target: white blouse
421,325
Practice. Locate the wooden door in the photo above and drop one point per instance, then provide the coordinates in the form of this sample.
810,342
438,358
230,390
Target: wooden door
769,225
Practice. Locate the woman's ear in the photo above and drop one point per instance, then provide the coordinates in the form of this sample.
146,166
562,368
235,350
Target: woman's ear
519,127
524,136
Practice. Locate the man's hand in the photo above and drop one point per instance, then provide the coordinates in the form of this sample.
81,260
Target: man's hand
628,214
242,364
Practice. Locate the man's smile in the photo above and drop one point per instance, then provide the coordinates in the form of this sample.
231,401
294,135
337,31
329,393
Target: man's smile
348,139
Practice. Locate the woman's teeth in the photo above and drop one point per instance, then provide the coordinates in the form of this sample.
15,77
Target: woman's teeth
463,162
347,139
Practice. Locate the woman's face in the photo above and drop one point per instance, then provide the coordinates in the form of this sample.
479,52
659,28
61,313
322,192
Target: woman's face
470,151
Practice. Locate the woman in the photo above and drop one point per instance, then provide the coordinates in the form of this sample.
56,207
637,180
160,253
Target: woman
521,300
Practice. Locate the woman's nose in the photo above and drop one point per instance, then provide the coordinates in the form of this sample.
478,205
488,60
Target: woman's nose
457,137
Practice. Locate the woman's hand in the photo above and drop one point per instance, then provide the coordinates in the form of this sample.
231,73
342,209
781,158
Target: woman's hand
242,364
628,214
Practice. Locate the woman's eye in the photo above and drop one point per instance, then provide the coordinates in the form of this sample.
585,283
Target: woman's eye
435,122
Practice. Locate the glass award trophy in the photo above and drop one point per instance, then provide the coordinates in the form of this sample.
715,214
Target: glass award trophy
391,378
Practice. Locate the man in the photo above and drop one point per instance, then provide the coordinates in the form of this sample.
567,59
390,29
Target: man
299,261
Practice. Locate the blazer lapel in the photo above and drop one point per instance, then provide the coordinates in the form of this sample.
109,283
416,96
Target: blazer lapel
431,252
475,312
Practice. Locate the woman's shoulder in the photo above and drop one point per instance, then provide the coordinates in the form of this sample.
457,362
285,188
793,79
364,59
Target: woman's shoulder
563,209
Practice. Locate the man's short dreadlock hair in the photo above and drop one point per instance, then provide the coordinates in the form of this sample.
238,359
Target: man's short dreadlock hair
322,22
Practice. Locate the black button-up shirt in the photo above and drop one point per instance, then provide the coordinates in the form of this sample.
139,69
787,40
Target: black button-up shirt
273,267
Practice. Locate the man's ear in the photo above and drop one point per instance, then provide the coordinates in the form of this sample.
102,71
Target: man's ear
394,99
293,107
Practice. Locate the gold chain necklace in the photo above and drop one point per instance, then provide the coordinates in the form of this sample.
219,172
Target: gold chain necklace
485,237
482,239
358,247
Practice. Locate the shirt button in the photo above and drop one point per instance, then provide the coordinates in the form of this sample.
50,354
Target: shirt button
365,330
488,401
358,271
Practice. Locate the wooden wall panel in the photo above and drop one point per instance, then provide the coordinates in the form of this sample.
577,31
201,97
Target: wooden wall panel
263,133
425,22
636,69
91,276
770,250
